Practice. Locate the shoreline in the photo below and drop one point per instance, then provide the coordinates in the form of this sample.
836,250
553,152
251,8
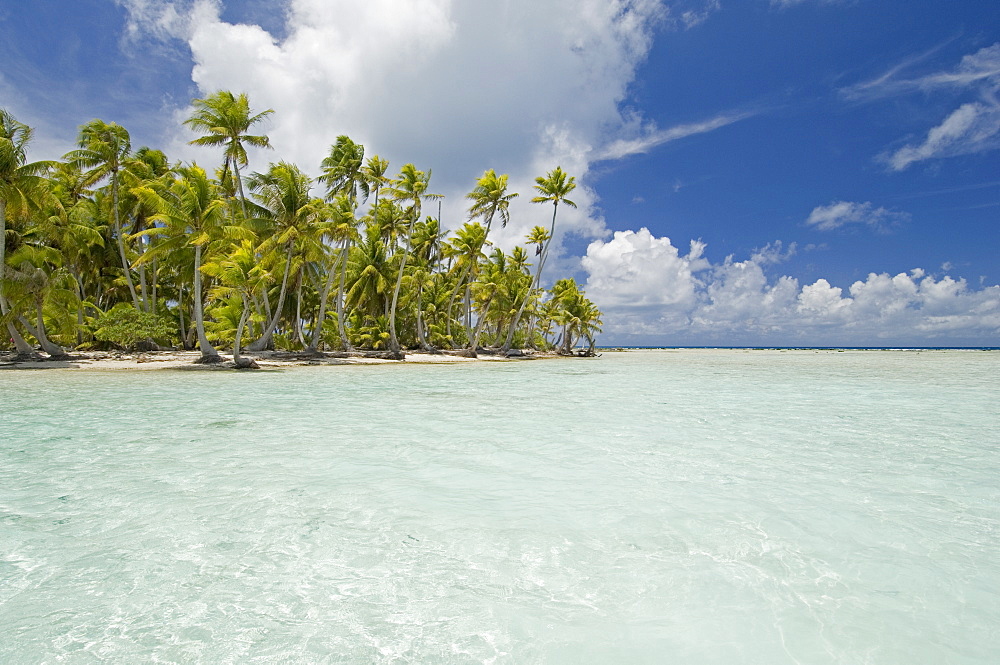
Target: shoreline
268,360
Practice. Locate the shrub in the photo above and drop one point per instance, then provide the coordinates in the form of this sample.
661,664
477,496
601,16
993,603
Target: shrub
125,326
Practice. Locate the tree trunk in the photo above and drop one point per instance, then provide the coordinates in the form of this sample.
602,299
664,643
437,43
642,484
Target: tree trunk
121,241
421,328
239,186
537,282
265,339
207,350
180,315
393,340
454,295
155,275
78,283
239,361
22,347
143,288
321,315
474,342
38,332
340,298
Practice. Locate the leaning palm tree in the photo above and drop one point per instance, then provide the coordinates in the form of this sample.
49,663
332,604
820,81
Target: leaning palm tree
346,175
490,198
35,275
226,119
190,212
342,229
410,186
466,248
283,196
554,187
236,272
21,188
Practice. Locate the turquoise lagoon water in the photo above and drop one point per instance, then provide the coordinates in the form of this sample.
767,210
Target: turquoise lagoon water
643,507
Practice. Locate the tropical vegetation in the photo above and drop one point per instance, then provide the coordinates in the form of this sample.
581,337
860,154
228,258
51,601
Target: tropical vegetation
115,247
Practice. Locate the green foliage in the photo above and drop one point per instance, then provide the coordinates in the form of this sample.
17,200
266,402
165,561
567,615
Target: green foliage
123,231
125,326
369,332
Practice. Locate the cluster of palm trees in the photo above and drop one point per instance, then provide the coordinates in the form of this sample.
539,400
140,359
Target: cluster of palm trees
222,258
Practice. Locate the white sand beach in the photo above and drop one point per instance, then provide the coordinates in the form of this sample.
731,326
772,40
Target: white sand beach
185,360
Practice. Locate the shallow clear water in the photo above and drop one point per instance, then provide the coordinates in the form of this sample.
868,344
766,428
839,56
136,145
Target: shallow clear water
643,507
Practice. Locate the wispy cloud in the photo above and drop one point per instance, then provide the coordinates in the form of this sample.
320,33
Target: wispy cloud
842,213
972,128
657,137
694,16
949,190
981,67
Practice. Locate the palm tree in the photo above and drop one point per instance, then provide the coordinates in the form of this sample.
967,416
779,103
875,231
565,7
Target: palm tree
554,187
283,195
147,167
411,186
21,188
105,149
346,176
191,214
344,171
371,275
76,231
578,315
467,250
237,272
489,198
35,276
373,173
345,231
425,243
226,119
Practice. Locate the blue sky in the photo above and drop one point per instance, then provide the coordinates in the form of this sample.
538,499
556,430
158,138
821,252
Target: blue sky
783,172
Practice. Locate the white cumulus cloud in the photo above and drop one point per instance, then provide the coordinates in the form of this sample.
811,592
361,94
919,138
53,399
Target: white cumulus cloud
637,269
652,294
456,87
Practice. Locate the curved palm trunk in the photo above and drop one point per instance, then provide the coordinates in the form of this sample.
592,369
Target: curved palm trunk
238,360
340,298
535,284
265,338
454,294
313,346
206,348
180,315
299,332
22,346
239,188
121,241
78,284
393,340
38,332
421,329
474,343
